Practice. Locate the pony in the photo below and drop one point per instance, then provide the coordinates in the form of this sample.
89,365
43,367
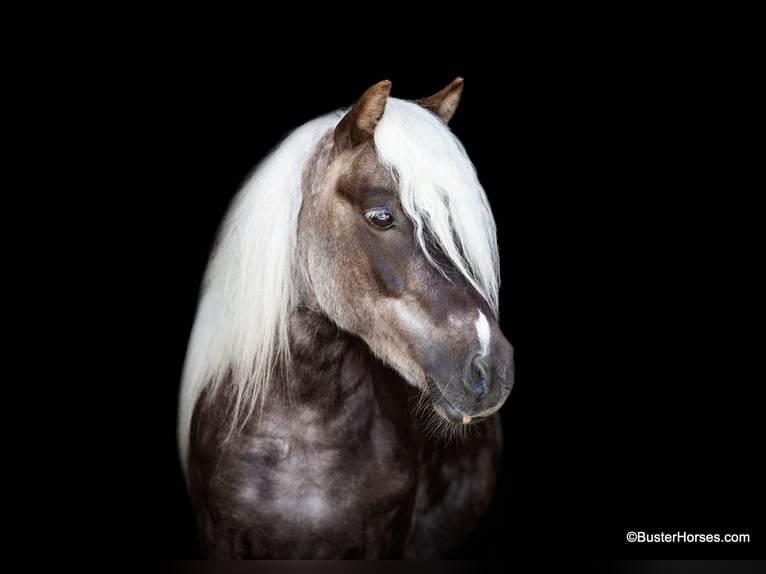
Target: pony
344,371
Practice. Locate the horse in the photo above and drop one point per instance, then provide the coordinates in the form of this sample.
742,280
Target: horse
344,371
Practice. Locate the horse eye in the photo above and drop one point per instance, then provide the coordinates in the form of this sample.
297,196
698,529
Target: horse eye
380,218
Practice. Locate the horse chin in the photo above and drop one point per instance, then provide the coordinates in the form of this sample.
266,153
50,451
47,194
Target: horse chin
446,409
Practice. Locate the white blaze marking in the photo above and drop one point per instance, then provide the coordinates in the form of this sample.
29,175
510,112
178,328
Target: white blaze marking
482,330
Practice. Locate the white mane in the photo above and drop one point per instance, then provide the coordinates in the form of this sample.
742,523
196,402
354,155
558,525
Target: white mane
440,192
241,326
240,330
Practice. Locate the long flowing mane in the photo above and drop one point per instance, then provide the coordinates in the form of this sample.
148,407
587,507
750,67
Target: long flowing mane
240,332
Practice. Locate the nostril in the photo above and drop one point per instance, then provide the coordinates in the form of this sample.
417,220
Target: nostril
478,374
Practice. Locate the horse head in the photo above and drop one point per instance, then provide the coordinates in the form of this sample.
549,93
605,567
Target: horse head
398,247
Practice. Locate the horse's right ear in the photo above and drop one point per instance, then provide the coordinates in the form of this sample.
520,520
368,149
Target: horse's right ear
358,125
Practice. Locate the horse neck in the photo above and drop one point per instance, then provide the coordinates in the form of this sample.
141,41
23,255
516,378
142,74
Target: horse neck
335,382
325,362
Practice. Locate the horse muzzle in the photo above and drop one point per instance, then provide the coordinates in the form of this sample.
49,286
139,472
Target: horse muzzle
479,388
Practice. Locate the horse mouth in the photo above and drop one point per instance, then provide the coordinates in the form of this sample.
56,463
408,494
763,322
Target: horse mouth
446,409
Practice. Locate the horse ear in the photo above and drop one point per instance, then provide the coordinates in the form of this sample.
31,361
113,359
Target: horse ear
444,102
358,125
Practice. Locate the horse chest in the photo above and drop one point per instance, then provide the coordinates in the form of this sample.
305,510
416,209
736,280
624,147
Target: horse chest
355,486
320,473
297,489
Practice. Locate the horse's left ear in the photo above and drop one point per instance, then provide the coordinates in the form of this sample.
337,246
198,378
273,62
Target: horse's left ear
444,102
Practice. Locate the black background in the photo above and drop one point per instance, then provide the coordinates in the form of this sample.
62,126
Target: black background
618,163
